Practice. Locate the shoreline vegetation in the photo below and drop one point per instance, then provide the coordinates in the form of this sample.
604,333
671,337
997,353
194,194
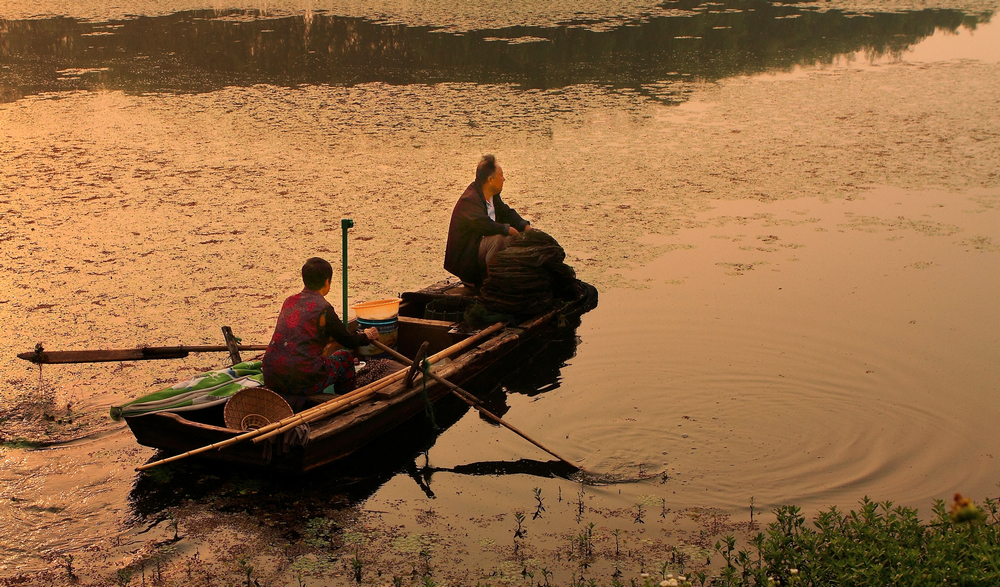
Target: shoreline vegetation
234,537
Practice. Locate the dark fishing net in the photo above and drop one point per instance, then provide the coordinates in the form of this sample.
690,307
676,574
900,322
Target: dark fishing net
528,277
376,369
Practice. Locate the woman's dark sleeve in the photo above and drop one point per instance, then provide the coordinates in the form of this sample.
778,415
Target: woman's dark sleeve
336,330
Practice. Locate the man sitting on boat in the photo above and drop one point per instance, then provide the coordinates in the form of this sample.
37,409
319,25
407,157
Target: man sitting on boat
481,224
294,364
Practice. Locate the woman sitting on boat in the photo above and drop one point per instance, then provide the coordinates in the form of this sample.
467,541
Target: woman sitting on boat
294,364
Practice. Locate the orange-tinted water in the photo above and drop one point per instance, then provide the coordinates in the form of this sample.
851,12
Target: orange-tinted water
798,277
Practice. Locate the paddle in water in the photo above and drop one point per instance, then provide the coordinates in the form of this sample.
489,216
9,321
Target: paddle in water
473,402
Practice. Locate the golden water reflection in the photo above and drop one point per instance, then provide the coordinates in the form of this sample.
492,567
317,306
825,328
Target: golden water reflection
803,266
203,51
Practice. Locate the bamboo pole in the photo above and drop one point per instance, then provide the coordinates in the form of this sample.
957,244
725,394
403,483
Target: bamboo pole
385,381
475,403
455,348
323,409
328,408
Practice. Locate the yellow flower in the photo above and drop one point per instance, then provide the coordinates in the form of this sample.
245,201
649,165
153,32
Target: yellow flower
963,510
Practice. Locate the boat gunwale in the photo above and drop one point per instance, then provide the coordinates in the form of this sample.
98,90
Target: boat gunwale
463,367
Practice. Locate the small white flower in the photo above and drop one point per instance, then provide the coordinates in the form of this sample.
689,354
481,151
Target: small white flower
664,583
681,578
644,575
670,575
793,571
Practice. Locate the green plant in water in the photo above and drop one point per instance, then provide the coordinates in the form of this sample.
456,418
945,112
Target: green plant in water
520,532
20,443
425,558
246,568
877,544
158,561
358,568
173,524
583,544
320,532
539,508
124,576
68,561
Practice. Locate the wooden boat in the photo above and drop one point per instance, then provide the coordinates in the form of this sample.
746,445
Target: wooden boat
339,435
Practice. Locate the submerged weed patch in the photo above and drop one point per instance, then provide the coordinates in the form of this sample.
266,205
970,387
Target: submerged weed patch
20,443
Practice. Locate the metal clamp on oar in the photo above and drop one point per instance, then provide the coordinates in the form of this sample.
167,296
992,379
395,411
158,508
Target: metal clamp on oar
416,367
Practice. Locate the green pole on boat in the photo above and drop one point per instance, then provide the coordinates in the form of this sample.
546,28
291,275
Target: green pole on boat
345,223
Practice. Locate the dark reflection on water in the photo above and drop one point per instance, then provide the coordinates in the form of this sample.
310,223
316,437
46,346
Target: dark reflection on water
202,51
236,489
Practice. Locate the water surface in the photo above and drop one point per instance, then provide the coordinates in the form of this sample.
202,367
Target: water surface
790,211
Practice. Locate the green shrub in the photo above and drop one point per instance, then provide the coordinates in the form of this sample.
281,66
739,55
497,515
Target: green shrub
876,545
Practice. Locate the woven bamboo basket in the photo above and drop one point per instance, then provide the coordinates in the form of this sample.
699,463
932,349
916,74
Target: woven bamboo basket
255,407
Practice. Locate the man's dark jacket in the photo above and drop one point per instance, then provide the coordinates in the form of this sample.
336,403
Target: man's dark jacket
469,224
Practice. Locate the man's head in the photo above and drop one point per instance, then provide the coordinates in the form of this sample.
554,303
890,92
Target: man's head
489,176
316,273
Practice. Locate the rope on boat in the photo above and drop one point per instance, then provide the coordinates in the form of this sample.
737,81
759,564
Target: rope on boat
428,406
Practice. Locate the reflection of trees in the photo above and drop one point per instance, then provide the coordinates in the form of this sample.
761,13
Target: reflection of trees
205,50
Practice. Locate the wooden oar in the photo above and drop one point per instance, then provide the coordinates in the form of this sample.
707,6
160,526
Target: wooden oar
327,408
140,354
474,402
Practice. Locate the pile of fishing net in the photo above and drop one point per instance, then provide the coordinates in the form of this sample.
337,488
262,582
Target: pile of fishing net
528,277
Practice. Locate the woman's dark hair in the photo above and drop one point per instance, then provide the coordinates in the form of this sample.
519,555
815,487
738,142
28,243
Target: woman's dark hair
315,273
487,167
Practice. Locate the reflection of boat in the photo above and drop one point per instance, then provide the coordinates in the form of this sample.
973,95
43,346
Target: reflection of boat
339,435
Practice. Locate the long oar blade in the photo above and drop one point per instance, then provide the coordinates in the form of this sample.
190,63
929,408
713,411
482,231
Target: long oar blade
115,355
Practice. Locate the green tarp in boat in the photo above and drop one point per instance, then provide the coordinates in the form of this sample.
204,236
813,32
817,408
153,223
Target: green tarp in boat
201,391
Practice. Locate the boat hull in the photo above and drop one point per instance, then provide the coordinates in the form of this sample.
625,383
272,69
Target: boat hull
338,436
